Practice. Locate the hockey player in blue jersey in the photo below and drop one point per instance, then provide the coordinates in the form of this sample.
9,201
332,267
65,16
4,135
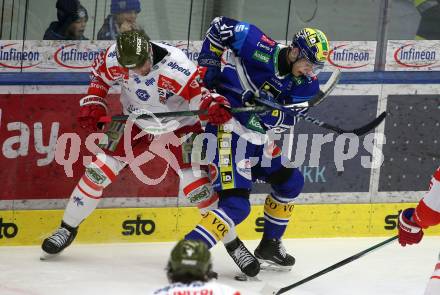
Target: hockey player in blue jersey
239,55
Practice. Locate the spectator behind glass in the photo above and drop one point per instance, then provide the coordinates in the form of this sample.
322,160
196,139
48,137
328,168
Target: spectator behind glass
430,12
72,20
122,19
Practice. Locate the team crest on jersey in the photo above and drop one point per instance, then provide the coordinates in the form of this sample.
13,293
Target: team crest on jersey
142,94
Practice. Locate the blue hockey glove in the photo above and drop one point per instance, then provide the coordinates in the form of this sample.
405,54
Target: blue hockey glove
247,97
209,69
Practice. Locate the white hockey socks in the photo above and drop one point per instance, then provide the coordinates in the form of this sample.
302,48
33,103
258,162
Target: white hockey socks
87,193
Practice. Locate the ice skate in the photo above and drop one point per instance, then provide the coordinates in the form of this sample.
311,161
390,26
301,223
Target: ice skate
273,256
58,241
244,259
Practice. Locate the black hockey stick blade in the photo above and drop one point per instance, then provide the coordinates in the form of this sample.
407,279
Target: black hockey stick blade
270,290
330,85
358,131
370,126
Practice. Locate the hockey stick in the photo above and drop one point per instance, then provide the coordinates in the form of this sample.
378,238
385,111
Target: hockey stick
323,93
328,87
358,131
272,291
256,109
317,99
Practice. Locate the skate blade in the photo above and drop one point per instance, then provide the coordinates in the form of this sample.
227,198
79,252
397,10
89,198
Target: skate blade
244,278
268,265
46,256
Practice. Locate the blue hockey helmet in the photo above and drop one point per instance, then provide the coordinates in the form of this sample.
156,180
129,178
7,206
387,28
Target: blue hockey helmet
313,45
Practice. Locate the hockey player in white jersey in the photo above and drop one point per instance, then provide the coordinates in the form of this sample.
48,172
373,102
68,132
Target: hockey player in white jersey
413,221
189,270
154,78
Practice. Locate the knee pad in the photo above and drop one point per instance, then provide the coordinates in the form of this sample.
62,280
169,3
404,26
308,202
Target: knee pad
287,183
235,203
196,187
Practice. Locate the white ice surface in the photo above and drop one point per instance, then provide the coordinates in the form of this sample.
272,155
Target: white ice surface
133,269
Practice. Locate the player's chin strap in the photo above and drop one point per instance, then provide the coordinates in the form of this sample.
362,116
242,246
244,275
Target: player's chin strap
268,290
312,102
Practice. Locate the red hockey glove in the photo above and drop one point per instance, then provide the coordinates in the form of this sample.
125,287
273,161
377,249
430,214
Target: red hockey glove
409,231
92,108
217,107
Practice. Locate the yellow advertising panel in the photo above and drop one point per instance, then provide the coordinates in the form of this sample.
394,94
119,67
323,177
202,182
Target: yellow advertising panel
170,224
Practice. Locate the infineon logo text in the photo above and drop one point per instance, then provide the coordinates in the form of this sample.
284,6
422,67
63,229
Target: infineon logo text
348,58
410,56
71,57
16,58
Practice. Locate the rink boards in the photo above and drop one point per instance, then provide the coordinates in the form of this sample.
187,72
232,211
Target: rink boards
170,224
356,202
39,103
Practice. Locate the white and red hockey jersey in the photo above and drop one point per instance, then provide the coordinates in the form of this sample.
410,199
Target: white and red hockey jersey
428,210
197,288
428,214
171,85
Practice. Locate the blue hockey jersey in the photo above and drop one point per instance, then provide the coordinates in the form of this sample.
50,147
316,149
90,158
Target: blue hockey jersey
249,61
